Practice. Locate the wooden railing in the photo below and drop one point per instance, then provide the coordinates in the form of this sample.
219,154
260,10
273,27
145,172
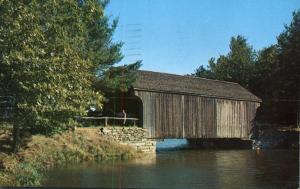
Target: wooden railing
109,118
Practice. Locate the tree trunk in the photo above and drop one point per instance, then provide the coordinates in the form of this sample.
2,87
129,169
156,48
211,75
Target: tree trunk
16,138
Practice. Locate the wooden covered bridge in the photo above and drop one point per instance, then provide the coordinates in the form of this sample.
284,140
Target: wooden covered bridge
174,106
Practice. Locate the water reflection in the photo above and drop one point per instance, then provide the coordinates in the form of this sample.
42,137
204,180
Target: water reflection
171,144
187,169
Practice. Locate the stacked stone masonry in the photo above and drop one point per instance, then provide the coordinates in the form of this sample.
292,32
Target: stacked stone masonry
135,137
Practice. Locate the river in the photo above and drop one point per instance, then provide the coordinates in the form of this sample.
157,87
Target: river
187,169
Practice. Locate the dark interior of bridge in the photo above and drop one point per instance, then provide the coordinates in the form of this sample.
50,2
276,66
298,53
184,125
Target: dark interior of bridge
131,104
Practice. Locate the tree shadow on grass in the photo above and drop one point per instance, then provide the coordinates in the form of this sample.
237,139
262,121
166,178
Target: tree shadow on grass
6,141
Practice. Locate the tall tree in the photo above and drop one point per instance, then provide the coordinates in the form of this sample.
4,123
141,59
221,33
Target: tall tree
287,78
263,84
289,58
262,81
50,54
236,66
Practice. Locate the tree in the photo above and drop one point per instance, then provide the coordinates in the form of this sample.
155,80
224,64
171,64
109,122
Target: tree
262,81
277,76
287,77
117,79
289,58
236,66
50,54
205,72
273,73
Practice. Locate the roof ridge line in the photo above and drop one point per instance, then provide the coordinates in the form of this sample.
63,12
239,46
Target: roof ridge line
196,94
194,77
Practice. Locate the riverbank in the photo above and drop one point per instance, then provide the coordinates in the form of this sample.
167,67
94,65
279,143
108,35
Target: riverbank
39,153
274,136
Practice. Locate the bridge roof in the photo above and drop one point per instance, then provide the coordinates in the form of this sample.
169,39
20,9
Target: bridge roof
171,83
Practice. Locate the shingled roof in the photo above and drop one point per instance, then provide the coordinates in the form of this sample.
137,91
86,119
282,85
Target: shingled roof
171,83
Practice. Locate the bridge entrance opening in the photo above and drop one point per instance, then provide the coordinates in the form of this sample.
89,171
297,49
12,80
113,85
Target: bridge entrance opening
124,106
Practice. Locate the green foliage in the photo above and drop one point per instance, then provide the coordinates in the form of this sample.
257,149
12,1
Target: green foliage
264,69
277,76
118,78
288,75
205,72
5,126
28,175
50,54
236,66
272,73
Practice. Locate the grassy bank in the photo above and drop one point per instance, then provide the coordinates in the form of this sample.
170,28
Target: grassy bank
40,153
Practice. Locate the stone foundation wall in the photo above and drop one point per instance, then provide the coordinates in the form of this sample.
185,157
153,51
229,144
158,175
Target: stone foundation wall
132,136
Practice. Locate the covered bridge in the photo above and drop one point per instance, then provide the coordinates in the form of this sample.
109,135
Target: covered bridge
174,106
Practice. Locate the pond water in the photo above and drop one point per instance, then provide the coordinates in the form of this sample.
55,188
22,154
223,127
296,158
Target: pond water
187,169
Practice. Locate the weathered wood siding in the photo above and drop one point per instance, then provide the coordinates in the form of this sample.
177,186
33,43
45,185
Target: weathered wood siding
234,118
200,117
167,115
162,114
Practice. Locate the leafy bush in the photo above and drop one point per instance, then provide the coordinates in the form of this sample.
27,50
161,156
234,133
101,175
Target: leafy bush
28,175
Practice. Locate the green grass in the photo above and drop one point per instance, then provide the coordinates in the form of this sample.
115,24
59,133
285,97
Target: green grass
41,153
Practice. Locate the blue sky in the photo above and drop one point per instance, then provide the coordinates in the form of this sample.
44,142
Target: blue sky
177,36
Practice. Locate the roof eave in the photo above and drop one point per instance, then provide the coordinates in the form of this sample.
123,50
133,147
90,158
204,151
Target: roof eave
197,94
